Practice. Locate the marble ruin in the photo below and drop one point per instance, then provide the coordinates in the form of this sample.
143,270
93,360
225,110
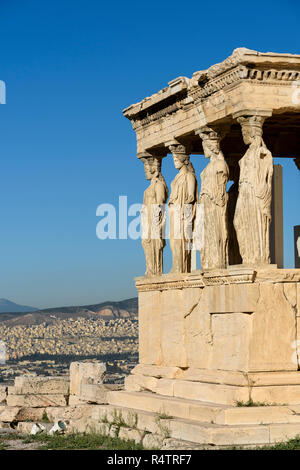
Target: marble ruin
227,332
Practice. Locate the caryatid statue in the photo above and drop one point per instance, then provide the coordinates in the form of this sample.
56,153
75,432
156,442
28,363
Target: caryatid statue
253,209
182,209
153,211
211,232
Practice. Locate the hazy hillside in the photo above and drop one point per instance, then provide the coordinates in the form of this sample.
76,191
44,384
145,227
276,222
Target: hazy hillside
7,306
107,310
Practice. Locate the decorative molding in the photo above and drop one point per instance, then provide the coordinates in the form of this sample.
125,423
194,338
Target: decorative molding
196,279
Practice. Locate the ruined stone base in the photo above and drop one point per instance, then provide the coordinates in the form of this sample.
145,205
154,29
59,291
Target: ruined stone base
211,343
221,336
163,422
220,387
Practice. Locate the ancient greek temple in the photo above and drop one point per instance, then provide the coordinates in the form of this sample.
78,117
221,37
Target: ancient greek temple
228,332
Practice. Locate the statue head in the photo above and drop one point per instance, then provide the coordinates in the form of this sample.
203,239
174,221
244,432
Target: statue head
180,156
251,128
152,167
210,142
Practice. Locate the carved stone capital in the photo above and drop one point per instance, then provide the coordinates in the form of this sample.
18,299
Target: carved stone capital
251,121
207,133
161,153
153,162
179,149
253,112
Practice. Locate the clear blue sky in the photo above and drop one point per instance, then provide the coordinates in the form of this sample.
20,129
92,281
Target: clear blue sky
70,68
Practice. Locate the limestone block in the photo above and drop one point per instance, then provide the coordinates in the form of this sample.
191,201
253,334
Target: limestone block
280,395
233,298
40,385
222,394
32,414
138,383
269,348
85,373
256,415
75,400
165,387
176,305
135,400
240,435
158,372
188,431
93,393
198,333
274,378
149,327
72,412
152,441
101,412
231,336
283,432
36,400
8,414
3,392
83,425
128,434
145,403
216,376
147,422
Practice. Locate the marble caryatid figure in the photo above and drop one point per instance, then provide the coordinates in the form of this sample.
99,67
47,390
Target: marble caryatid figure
153,211
211,234
182,209
253,209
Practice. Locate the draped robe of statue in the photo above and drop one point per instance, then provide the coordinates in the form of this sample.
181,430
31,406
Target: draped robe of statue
211,224
253,209
182,209
153,219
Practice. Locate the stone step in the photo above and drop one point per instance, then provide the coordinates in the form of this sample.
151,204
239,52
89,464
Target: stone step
204,412
138,423
160,404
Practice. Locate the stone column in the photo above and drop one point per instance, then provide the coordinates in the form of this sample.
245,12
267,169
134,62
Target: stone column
182,208
153,214
276,229
211,233
252,217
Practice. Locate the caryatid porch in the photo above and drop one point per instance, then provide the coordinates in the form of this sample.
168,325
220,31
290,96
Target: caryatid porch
227,332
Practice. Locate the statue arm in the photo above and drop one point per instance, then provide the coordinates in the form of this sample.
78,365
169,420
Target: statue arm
191,188
266,172
222,179
160,193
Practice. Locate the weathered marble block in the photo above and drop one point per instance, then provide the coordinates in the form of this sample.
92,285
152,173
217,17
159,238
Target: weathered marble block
82,373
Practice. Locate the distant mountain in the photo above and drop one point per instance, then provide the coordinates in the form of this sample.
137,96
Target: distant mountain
107,310
6,306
